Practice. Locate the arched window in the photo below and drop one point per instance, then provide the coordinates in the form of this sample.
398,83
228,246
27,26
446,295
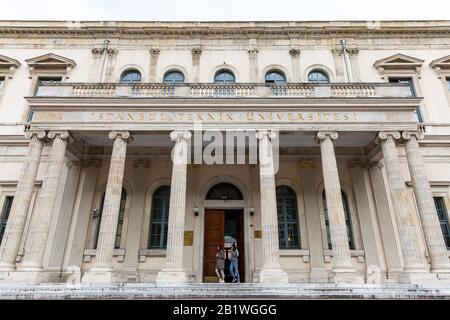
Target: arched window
123,200
275,76
224,76
173,76
348,220
288,226
131,76
224,191
159,219
318,76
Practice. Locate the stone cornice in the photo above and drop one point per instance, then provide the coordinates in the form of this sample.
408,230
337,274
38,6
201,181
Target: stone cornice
247,30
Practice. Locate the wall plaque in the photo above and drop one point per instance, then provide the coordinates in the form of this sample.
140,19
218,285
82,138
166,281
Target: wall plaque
188,238
258,234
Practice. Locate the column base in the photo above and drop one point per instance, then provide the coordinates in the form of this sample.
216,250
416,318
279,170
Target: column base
98,275
273,276
171,276
374,275
318,275
345,275
417,277
441,273
29,277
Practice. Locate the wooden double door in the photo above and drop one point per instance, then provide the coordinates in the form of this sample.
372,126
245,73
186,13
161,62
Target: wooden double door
223,227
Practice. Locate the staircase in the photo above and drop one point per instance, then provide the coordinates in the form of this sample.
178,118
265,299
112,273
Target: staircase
221,291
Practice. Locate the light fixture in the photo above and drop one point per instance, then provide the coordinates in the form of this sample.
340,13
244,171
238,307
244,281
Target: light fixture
252,211
196,212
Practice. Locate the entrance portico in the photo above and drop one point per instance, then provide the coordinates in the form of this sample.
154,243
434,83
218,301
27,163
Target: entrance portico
288,134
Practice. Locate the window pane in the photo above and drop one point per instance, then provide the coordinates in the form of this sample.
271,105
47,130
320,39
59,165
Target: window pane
132,76
121,218
275,77
174,77
318,76
443,219
224,76
2,81
159,218
7,205
348,221
287,212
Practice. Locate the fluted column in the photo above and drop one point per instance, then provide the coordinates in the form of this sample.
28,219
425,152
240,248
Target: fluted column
22,200
45,205
342,263
271,271
413,262
437,249
174,271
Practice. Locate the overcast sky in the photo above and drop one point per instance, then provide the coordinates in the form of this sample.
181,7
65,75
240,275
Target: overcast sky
224,9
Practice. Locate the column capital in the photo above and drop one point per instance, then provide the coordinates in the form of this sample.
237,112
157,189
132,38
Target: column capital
40,134
64,135
294,51
377,164
196,51
322,135
406,135
253,51
337,52
358,163
155,51
180,135
142,163
307,164
71,164
384,135
353,51
124,135
92,163
271,134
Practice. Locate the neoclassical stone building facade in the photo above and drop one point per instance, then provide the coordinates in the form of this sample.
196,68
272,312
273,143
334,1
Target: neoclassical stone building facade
349,121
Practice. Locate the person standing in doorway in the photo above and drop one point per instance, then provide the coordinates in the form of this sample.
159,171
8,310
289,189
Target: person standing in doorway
235,263
220,264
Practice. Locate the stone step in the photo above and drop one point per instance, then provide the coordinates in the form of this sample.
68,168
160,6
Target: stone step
196,291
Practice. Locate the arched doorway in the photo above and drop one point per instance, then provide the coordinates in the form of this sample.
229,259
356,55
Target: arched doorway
224,225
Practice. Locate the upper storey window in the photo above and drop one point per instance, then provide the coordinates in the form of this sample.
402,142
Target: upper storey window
173,76
224,76
2,80
275,76
318,76
131,76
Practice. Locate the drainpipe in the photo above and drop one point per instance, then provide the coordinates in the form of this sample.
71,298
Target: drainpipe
348,67
101,74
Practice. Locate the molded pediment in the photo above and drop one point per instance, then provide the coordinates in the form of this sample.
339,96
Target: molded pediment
443,63
7,62
398,62
51,61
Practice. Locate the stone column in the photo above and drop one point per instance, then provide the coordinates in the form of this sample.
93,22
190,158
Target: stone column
22,200
308,174
294,52
196,52
271,271
141,170
414,268
102,269
383,203
343,269
45,205
80,218
437,249
174,271
370,230
253,60
154,57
